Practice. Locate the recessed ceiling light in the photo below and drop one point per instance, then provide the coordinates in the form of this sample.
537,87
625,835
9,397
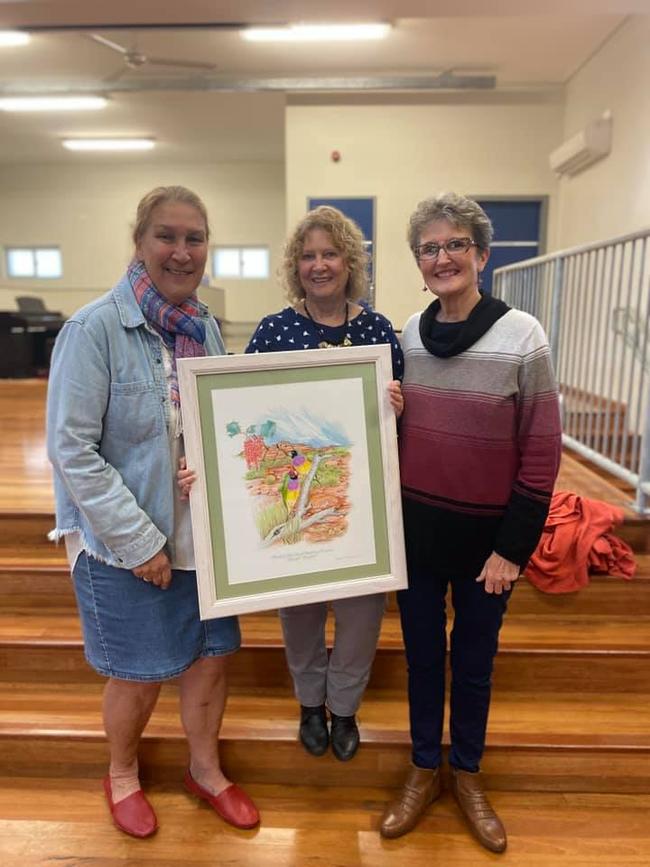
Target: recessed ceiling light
52,103
13,37
109,144
316,33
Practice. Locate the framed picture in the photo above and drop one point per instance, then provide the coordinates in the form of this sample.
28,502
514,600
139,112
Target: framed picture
298,497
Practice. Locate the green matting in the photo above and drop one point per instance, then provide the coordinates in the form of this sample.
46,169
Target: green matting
209,383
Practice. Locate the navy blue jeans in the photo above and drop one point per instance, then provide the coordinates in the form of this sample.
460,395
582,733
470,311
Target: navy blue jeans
474,641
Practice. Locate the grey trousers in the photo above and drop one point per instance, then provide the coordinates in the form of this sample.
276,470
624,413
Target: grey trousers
339,681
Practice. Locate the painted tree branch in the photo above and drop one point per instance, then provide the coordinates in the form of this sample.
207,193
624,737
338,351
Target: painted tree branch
301,505
291,527
294,523
318,517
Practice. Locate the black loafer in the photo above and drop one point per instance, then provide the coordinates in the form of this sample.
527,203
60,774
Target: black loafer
345,736
313,729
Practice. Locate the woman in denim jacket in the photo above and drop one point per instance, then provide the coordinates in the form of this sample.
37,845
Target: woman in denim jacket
115,439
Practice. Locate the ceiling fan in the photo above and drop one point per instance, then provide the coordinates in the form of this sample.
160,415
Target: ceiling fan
135,59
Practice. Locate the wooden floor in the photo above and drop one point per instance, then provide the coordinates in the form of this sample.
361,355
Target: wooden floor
567,759
25,474
315,827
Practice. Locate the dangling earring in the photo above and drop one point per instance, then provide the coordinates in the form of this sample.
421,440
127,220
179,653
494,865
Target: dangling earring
425,288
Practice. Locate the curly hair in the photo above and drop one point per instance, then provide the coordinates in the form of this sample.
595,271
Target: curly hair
160,196
455,209
346,237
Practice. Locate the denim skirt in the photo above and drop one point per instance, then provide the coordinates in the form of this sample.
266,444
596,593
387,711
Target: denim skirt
133,630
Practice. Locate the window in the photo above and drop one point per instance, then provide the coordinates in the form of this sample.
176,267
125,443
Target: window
39,262
244,263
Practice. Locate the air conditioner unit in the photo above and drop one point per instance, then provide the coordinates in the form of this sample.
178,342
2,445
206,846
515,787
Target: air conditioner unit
581,150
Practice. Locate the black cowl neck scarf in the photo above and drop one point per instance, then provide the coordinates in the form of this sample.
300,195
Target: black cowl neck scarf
481,318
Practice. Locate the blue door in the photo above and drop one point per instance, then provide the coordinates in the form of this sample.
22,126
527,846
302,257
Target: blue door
362,211
518,231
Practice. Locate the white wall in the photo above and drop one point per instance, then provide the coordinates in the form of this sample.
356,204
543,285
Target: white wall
88,210
403,153
610,197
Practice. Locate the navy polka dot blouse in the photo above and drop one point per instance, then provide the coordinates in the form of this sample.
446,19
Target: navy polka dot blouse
291,330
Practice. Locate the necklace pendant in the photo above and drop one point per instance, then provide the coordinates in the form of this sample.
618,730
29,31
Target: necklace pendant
326,344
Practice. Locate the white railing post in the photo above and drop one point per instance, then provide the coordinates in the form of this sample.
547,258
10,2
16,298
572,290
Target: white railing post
556,311
643,485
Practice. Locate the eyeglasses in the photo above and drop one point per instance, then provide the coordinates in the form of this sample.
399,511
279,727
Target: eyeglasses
452,247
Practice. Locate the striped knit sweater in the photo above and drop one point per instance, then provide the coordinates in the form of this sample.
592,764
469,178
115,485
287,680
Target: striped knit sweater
480,435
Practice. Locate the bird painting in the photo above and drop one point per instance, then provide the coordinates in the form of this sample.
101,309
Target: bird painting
290,490
300,463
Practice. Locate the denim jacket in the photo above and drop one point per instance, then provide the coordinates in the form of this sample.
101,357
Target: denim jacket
107,419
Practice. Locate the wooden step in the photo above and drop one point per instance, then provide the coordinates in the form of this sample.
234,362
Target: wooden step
24,585
604,594
576,742
24,527
65,821
23,537
550,653
24,542
586,480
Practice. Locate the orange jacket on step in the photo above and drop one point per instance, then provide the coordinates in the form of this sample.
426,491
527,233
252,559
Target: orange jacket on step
576,540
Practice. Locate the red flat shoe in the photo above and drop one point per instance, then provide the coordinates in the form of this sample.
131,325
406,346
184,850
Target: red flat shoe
233,804
134,814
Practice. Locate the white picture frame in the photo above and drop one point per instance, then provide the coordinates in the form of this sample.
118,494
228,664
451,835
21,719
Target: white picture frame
297,497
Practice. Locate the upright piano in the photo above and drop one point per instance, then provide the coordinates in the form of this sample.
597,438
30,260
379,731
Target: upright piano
26,340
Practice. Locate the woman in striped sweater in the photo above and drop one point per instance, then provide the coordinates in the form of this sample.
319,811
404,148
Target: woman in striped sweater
479,452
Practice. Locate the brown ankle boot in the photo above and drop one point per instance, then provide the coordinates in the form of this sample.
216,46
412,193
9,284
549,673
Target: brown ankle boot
421,788
476,808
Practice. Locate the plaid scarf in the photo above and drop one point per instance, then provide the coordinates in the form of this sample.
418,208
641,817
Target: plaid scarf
181,330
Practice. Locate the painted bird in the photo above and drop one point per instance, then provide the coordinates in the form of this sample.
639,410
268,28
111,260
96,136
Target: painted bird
300,463
290,490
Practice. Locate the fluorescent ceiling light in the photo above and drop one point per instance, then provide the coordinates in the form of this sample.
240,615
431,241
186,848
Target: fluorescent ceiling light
52,103
108,144
316,33
13,37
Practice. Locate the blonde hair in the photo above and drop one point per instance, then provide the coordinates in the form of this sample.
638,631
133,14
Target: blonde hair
160,196
346,237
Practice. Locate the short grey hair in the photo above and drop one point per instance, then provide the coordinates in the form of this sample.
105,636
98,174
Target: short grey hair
455,209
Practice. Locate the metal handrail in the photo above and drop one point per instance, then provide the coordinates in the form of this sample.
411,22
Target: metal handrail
581,296
571,251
